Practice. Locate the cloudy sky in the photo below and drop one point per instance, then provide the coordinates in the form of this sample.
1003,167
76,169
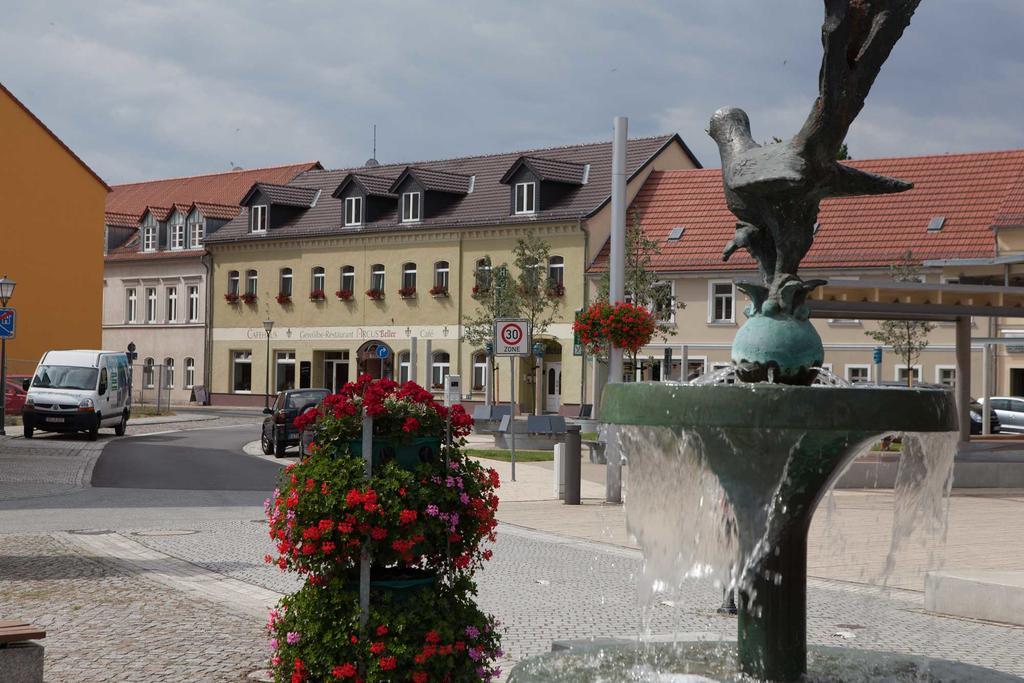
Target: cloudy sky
144,90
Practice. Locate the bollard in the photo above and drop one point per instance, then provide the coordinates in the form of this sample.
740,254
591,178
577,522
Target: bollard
571,465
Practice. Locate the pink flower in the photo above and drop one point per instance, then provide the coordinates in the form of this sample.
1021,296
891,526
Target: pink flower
273,643
293,637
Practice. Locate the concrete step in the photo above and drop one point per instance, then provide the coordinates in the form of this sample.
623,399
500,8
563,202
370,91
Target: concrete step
992,595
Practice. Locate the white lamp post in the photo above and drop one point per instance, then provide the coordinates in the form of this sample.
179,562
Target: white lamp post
268,327
6,292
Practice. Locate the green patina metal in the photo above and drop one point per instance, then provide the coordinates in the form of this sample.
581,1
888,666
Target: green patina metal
770,443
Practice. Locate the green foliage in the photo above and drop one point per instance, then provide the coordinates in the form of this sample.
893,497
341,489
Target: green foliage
908,338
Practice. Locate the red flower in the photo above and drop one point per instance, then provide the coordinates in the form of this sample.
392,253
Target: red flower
346,670
382,630
410,425
377,648
388,663
406,516
433,636
419,677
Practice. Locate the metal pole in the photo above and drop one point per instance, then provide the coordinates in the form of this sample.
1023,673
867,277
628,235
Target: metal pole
571,464
512,416
428,381
684,373
412,360
489,380
364,558
3,386
617,287
986,389
266,393
963,375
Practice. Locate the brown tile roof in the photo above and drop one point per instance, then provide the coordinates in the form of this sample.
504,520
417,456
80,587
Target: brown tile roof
284,195
161,213
218,188
121,220
373,185
568,172
487,204
434,180
220,211
967,189
1011,212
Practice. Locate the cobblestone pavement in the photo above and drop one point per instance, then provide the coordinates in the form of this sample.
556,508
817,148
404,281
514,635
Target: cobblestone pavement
544,587
105,623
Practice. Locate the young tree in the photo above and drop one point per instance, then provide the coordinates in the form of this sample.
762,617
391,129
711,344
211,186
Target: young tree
643,285
495,293
908,338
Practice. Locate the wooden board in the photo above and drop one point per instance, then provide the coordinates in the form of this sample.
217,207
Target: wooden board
15,633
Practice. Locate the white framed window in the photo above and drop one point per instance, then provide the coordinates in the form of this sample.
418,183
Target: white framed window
556,271
150,304
193,303
526,197
479,371
172,304
319,279
441,270
348,279
900,373
858,373
196,234
440,365
233,282
408,276
190,373
177,236
353,211
377,277
251,282
721,302
131,308
285,287
149,238
404,367
411,206
258,218
148,367
241,372
695,367
945,375
168,373
284,370
663,304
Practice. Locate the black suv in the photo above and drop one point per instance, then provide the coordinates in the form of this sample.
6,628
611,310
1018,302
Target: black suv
279,430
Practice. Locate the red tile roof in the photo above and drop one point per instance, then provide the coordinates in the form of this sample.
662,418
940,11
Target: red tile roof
121,220
972,191
217,188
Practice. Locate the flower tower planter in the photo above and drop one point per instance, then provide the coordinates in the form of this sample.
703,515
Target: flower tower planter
418,521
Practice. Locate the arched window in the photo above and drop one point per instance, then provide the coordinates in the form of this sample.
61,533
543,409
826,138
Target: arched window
408,279
286,282
168,373
377,277
439,368
479,371
556,271
482,275
348,279
233,282
441,270
251,282
319,283
190,373
404,367
148,366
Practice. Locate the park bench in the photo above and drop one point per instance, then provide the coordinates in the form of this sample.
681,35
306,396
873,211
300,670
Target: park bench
596,447
486,419
545,425
21,661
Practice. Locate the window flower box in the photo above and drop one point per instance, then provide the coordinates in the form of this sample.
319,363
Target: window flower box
556,290
375,294
317,295
231,298
344,294
284,299
248,298
438,291
407,292
480,292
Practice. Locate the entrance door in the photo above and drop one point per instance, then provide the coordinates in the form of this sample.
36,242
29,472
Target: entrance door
552,387
335,374
1017,381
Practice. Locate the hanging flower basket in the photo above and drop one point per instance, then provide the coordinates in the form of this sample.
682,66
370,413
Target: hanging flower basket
317,295
231,298
480,292
284,299
344,294
375,294
623,325
407,292
249,298
438,291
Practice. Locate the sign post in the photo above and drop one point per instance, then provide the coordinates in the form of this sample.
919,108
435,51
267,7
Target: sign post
7,326
877,358
512,339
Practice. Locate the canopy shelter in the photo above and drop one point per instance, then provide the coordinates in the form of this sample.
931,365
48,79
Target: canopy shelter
957,303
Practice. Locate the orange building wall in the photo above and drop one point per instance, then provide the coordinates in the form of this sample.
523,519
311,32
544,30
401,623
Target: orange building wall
51,239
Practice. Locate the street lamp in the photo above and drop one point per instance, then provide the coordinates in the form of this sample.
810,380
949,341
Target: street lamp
268,326
6,292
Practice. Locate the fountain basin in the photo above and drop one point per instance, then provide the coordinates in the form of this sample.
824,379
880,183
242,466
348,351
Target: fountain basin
773,451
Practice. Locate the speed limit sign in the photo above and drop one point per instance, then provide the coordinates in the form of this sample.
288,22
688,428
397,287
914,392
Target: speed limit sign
511,337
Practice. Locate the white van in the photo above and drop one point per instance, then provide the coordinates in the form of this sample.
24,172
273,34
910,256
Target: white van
78,391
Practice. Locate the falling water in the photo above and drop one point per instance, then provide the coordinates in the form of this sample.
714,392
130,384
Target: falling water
727,375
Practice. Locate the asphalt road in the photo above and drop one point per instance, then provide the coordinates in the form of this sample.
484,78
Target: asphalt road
197,460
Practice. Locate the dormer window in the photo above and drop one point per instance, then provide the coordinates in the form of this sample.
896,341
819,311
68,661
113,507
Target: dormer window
411,206
526,198
353,211
178,236
258,218
149,238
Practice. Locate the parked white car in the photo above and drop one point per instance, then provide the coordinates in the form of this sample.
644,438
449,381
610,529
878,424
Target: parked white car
78,391
1010,410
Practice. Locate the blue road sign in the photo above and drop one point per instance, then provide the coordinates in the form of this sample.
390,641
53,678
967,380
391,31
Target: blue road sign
7,318
878,355
382,352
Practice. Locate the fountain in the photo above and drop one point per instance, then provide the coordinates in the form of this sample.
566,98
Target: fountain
767,448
